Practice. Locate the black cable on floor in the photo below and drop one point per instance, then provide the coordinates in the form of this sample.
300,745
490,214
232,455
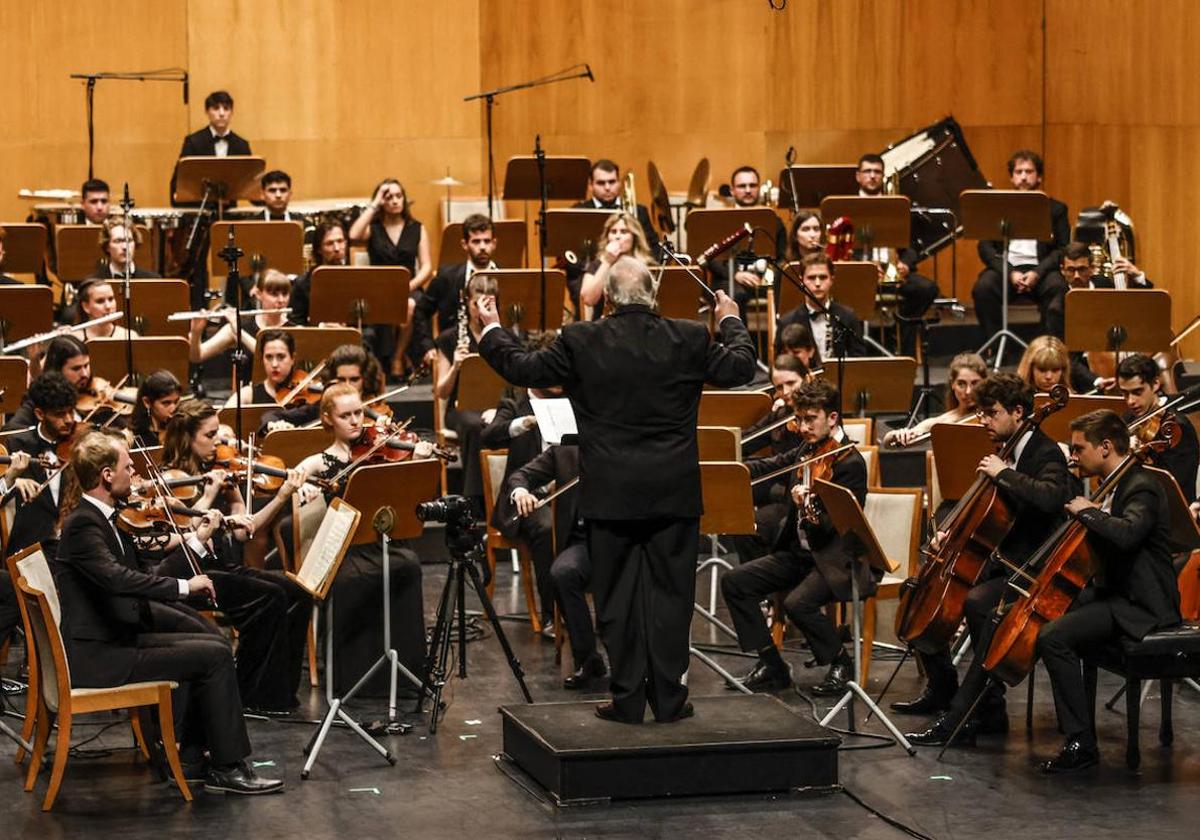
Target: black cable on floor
892,821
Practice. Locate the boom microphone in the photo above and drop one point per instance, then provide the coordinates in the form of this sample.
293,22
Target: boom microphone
588,68
725,244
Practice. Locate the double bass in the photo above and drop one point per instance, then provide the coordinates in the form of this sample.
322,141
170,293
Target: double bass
1064,565
931,604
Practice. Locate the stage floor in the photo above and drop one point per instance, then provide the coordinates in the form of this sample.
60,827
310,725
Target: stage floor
447,786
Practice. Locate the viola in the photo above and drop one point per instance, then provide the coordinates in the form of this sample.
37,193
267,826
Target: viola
102,394
931,604
300,388
1065,564
396,445
147,516
6,459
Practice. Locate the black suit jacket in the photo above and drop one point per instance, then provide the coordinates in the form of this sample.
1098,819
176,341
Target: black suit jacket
634,380
105,272
1036,490
855,346
831,554
495,435
559,464
441,297
1049,252
201,144
104,589
34,521
1132,546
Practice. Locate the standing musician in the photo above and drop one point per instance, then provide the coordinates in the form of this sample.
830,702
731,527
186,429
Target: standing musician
278,350
329,248
1139,381
122,623
349,363
1035,485
809,560
747,192
818,276
967,371
634,380
216,139
272,290
276,195
1133,593
444,295
1032,264
917,292
118,241
157,399
270,612
97,299
454,344
623,236
52,400
358,619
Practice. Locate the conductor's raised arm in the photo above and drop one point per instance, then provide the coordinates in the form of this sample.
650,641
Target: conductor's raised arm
731,360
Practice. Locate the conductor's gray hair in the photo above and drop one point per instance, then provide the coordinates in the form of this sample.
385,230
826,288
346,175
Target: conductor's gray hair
630,282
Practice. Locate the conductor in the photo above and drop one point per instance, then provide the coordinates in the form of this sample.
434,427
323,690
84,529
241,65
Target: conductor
634,380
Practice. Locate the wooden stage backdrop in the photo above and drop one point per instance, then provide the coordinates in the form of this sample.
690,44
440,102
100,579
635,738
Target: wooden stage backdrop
341,94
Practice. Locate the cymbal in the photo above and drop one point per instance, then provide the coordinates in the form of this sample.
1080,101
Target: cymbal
698,188
659,199
447,182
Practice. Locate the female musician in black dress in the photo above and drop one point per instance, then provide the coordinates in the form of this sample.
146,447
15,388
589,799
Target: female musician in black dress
157,399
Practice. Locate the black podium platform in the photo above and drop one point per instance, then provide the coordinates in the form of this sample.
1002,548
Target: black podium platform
735,744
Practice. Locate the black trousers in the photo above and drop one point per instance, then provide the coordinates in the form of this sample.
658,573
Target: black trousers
768,519
10,614
537,531
793,572
1063,644
917,294
572,574
978,611
1049,293
644,581
468,425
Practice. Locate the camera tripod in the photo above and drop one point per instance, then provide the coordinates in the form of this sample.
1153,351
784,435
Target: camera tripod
466,545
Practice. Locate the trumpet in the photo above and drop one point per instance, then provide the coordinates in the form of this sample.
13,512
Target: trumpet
629,195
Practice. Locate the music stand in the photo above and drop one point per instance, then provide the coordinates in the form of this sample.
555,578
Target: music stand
957,450
543,178
294,445
152,353
252,415
25,311
728,509
850,521
479,386
1004,215
1133,320
313,345
878,385
14,381
812,183
146,460
219,180
519,296
1185,535
77,248
24,247
280,244
1058,425
708,226
359,294
153,301
575,230
740,409
719,443
512,236
677,296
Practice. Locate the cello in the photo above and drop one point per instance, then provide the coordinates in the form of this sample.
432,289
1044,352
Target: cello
1065,564
931,604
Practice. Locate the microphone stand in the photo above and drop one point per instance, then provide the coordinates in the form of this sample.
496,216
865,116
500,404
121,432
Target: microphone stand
231,253
790,158
543,200
489,98
127,287
168,74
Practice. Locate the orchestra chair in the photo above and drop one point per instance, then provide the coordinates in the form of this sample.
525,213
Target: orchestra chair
870,454
492,463
445,437
861,430
894,514
62,702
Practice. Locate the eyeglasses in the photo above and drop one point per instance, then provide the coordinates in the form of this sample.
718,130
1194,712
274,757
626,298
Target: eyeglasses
1076,269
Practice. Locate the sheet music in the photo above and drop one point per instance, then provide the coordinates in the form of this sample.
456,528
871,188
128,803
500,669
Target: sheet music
326,546
555,418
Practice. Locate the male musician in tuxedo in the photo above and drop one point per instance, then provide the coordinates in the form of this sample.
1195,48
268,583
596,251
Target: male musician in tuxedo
917,292
443,296
809,561
1133,593
216,139
747,194
634,380
1139,382
818,278
1035,484
605,186
329,248
571,572
113,634
276,195
1032,264
118,242
94,199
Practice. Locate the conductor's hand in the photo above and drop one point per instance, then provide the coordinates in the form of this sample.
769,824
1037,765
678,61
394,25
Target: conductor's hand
488,313
524,501
725,305
201,585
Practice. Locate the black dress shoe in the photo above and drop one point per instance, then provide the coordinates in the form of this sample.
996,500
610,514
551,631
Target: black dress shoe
607,711
764,677
835,680
239,778
939,732
592,669
1075,755
929,702
687,711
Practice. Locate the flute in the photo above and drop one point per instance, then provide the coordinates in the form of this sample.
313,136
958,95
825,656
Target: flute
46,336
219,314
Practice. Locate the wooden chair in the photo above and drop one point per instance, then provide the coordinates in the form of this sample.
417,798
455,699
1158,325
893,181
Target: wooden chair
871,456
894,513
444,437
492,463
861,430
59,701
31,691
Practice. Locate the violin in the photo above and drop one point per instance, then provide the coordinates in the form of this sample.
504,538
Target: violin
300,388
1066,564
149,516
103,394
931,604
41,460
818,465
268,471
396,445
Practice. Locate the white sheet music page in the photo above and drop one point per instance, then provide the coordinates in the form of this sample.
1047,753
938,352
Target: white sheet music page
332,534
555,418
